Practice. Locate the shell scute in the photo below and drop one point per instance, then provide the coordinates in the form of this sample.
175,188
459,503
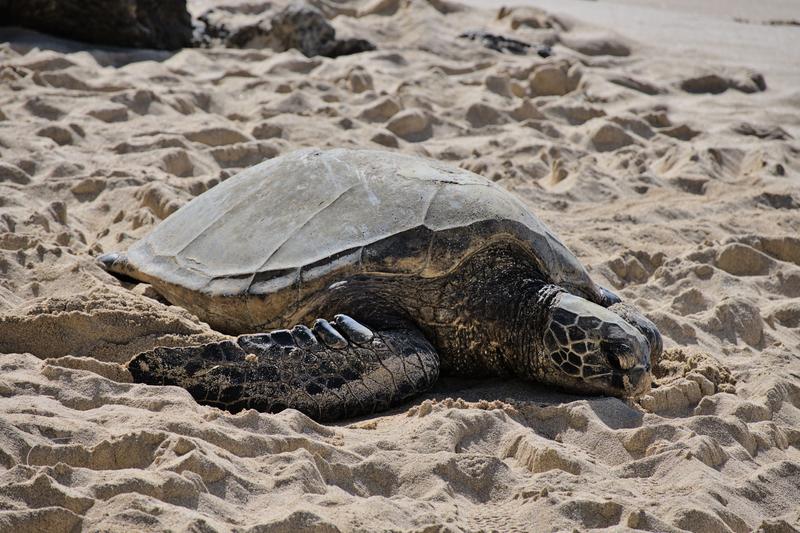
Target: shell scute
285,224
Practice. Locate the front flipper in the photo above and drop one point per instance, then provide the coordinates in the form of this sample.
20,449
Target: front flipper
330,372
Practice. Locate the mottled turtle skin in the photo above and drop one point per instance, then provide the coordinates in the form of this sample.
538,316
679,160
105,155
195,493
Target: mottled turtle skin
424,269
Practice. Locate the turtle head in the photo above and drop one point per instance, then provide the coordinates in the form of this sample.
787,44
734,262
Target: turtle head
593,350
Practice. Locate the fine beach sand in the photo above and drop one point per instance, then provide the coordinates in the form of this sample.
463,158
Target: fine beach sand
673,176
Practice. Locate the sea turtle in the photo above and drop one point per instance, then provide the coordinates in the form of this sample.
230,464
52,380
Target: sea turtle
424,268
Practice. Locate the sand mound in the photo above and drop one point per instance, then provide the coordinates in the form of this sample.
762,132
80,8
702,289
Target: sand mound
106,324
511,463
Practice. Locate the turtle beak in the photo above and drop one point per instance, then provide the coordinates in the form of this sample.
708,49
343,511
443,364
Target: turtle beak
636,381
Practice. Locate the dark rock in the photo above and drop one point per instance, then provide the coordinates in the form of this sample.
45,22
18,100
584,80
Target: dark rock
249,36
302,27
161,24
298,26
505,44
305,28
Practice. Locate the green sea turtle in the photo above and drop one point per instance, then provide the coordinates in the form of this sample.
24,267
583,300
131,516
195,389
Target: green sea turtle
424,269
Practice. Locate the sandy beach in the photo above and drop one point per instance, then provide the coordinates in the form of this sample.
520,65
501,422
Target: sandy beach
659,140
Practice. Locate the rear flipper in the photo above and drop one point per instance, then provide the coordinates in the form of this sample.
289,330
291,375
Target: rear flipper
330,372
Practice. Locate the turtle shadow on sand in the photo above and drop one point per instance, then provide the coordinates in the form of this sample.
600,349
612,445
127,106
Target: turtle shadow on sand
613,412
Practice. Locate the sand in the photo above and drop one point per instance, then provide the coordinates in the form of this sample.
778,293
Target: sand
669,166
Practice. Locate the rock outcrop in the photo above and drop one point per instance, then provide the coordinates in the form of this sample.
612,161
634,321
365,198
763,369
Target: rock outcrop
162,24
300,26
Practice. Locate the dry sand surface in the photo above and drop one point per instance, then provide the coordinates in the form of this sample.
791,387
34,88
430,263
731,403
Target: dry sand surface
673,176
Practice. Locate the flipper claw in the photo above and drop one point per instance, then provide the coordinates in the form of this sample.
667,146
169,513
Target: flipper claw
328,334
353,330
304,337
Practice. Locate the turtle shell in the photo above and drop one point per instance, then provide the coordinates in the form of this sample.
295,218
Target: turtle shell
293,224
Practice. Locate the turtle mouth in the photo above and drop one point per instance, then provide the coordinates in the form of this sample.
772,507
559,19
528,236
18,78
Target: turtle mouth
635,381
623,383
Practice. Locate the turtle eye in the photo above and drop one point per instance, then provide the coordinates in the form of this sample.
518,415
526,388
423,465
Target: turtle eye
619,349
612,351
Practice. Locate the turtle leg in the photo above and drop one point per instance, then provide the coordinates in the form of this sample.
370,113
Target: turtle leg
330,371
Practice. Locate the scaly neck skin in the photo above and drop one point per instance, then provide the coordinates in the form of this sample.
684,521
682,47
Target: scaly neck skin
514,312
501,308
525,332
488,317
